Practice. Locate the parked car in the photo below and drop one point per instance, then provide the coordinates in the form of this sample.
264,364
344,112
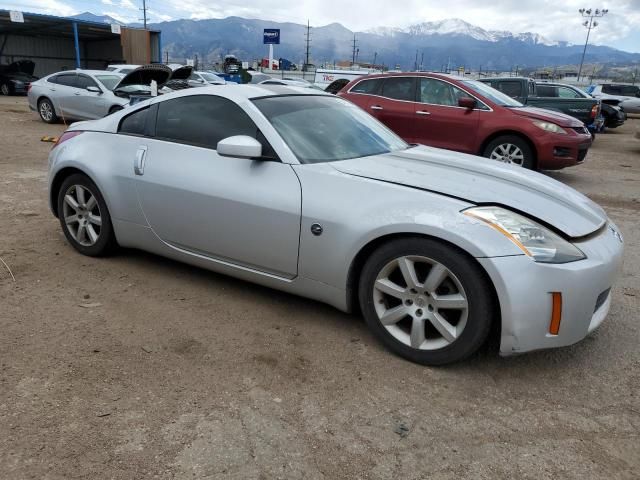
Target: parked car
122,68
562,91
16,77
615,94
325,77
612,116
179,79
267,184
203,79
289,82
444,247
469,116
525,91
90,94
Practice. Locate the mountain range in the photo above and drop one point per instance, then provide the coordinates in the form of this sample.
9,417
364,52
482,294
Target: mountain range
452,42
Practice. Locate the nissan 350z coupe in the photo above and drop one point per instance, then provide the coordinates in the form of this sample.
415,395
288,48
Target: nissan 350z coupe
307,193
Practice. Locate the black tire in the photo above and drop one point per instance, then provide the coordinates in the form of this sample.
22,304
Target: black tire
106,241
529,160
42,111
5,89
477,288
114,109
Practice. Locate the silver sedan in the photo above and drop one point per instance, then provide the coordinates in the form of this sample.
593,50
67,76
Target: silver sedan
304,192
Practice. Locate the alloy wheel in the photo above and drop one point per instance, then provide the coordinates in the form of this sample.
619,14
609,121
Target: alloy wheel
420,302
82,215
508,153
45,111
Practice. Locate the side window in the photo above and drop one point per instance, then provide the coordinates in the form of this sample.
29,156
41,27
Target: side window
399,88
367,86
194,76
547,91
66,79
134,124
565,92
202,120
83,82
53,79
611,89
437,92
511,88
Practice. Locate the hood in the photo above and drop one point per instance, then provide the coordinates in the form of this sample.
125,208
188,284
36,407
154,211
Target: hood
145,74
482,181
548,116
21,66
182,73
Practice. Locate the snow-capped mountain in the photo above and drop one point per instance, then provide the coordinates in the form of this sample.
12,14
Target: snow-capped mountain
458,27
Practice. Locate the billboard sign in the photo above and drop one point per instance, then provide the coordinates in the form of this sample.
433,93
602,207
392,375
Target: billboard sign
271,36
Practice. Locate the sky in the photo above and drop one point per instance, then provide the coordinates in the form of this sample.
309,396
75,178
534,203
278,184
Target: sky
555,19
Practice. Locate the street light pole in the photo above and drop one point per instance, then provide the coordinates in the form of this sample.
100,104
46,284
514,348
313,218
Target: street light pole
589,24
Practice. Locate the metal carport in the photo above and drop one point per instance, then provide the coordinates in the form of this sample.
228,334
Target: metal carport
59,43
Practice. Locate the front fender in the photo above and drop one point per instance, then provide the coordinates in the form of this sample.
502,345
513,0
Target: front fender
354,211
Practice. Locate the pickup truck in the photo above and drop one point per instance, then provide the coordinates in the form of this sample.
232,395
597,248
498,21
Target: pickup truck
524,90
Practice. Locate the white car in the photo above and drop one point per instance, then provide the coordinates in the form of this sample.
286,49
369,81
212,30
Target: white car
626,95
122,68
91,94
204,79
303,191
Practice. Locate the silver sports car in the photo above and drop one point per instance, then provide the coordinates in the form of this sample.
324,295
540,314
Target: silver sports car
304,192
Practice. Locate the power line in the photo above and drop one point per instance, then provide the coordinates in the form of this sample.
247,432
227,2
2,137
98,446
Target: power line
308,43
144,13
355,47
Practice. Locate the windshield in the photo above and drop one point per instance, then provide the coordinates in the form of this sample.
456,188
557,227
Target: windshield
109,81
491,93
210,77
325,129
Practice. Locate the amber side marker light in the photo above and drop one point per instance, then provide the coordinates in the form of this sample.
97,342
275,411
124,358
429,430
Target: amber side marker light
556,313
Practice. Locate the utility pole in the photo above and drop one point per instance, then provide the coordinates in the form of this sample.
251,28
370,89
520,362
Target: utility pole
144,13
308,43
415,63
355,45
375,55
166,54
421,61
589,24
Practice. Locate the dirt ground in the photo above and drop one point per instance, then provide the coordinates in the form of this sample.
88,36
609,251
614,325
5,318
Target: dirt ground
177,373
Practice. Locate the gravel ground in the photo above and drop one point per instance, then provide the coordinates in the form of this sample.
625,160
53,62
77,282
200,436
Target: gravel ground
138,367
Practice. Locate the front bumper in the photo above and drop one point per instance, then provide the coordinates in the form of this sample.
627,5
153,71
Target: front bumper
524,290
559,151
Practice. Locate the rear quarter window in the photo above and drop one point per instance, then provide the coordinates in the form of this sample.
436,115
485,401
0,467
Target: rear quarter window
134,123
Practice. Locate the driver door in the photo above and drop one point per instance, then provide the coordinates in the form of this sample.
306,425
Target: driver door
240,211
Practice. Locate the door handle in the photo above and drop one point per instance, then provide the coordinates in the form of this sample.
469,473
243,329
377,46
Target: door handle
423,112
376,107
138,166
78,94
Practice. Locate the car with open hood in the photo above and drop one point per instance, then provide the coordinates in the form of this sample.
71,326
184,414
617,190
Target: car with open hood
302,191
91,94
16,77
469,116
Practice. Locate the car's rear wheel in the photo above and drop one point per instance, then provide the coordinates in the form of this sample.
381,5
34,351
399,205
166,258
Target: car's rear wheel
426,301
4,89
84,216
510,149
46,111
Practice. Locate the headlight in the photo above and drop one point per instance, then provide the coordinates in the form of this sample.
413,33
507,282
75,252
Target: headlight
533,239
549,127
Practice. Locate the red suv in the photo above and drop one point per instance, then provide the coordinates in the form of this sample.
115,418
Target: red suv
471,117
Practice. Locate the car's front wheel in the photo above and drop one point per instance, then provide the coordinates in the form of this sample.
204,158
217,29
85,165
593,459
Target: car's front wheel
4,89
510,149
426,301
84,216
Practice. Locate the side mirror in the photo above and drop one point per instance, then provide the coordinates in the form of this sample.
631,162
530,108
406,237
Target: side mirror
467,102
93,89
241,146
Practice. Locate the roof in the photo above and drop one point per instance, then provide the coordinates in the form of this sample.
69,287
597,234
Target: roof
238,93
38,24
